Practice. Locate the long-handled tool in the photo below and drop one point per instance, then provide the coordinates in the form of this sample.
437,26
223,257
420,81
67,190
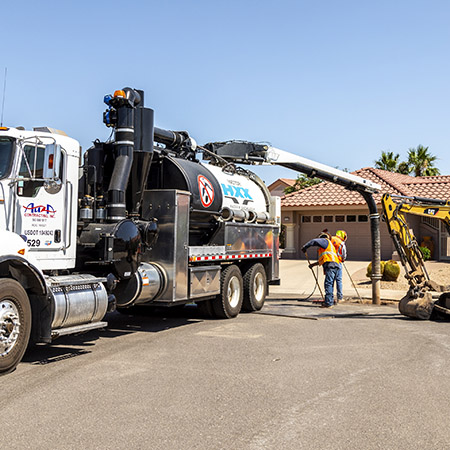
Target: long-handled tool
315,277
351,279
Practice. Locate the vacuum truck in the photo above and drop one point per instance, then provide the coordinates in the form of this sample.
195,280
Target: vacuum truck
141,221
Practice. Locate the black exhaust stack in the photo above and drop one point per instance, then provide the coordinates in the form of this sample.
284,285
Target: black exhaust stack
124,114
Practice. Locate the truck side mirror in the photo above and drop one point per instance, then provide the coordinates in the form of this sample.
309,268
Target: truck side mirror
52,162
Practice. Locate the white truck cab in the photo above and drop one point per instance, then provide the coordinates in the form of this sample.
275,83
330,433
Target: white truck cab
38,194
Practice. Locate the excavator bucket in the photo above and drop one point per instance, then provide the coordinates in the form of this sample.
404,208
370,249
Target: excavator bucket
417,307
426,305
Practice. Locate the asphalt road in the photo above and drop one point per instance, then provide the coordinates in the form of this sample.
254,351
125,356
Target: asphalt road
255,382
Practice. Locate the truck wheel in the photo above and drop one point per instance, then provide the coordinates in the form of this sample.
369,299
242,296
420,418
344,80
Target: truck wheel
255,288
229,302
15,324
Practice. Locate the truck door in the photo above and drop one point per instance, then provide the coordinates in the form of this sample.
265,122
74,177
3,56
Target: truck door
41,210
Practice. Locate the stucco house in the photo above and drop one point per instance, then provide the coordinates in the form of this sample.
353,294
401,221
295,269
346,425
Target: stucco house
329,206
278,186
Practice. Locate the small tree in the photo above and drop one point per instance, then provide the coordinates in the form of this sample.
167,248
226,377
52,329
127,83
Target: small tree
302,182
282,236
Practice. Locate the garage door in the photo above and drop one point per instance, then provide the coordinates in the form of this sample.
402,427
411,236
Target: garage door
359,241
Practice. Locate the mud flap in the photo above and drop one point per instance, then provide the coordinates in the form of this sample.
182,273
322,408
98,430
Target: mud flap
417,308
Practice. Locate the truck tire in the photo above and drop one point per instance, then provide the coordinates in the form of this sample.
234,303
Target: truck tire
15,324
255,288
229,302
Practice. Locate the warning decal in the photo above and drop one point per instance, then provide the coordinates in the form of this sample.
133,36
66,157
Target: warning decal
206,191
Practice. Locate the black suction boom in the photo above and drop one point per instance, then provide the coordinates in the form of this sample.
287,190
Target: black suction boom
171,139
178,141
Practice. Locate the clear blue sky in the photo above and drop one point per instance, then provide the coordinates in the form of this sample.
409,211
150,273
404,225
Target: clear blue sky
333,81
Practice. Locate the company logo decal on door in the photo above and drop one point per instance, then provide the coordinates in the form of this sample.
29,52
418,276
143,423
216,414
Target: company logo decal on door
39,211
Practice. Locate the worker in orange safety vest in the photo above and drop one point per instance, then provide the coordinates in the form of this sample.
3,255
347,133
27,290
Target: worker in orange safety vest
339,244
329,260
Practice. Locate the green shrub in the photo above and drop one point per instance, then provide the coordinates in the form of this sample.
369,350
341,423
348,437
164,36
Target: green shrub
426,253
369,269
391,271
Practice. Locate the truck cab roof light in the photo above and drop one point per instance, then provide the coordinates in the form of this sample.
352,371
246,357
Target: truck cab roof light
4,128
120,93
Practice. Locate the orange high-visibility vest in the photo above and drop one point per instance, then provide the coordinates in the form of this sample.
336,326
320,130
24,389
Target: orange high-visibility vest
338,245
328,254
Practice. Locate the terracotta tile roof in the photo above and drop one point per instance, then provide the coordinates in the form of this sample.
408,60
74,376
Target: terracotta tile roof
330,194
431,187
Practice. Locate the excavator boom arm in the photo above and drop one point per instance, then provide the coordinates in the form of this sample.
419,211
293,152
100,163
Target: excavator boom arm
404,240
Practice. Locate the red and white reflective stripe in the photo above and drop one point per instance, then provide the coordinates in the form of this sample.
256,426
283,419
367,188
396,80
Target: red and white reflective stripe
227,257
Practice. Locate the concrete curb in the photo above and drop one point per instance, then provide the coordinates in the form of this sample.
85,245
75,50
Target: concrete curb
366,294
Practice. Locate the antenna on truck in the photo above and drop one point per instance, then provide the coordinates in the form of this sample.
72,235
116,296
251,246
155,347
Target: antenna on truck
3,101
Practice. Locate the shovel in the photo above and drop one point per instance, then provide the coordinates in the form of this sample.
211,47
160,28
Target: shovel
317,281
351,279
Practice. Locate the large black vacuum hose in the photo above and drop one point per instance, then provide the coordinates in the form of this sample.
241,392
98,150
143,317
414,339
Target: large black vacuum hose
171,139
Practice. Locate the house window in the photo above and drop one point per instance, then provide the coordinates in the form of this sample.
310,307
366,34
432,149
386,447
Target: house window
306,219
328,218
339,218
351,218
363,218
317,219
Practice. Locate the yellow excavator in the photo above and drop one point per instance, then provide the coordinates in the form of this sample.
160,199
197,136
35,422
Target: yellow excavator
425,298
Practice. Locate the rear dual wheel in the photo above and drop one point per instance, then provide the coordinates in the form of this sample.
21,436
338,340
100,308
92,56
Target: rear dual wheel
255,288
237,292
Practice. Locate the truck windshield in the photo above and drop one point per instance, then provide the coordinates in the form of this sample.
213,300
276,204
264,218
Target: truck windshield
6,152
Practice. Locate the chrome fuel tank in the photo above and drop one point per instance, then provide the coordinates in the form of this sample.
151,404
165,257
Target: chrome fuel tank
78,299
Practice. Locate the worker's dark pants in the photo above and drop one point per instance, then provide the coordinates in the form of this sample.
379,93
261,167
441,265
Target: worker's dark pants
331,274
340,294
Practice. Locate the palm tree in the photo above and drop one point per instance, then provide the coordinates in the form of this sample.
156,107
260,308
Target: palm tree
421,162
404,168
388,161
